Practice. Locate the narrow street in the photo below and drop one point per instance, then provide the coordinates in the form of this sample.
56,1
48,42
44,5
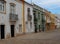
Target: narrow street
52,37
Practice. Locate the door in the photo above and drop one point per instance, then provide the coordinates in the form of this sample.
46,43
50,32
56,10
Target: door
12,30
48,26
20,28
39,28
35,29
2,31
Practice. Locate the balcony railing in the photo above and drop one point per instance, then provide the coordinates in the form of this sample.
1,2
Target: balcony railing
29,17
13,17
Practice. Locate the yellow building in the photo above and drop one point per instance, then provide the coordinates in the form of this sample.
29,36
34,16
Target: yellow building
52,25
50,21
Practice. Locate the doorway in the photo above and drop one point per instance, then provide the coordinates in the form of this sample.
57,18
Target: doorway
2,32
35,29
12,30
39,29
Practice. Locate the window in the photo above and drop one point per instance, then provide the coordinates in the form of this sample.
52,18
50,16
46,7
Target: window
20,28
31,24
2,6
28,11
38,15
26,24
12,8
29,16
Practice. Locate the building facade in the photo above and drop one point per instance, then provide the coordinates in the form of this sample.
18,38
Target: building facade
11,18
57,21
15,13
53,26
50,21
29,22
39,18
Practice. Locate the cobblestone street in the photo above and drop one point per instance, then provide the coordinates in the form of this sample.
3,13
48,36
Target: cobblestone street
52,37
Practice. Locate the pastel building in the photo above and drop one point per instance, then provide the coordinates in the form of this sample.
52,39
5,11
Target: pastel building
18,17
50,21
11,18
29,18
57,21
39,18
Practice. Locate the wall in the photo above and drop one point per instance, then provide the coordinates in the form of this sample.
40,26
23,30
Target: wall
28,28
4,18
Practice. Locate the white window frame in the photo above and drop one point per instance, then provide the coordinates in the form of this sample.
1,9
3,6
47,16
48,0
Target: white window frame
12,8
3,9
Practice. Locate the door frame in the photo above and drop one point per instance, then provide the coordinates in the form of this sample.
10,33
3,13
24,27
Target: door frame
4,30
35,28
14,30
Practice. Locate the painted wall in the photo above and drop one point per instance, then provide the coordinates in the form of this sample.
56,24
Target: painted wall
4,18
28,27
38,10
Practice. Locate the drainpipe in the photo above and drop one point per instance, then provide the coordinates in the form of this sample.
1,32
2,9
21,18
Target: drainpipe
23,17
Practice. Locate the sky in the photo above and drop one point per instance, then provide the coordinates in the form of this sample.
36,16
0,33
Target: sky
50,5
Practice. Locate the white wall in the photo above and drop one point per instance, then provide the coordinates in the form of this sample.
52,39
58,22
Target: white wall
4,18
28,28
57,23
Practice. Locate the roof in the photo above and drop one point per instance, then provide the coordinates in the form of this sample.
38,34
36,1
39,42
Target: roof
24,2
28,3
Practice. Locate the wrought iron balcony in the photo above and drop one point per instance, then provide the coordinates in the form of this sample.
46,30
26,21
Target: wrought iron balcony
29,17
13,17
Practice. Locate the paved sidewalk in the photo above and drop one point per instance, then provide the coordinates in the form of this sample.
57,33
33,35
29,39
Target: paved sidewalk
35,38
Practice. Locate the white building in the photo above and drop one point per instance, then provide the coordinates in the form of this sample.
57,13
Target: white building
29,17
11,18
57,22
